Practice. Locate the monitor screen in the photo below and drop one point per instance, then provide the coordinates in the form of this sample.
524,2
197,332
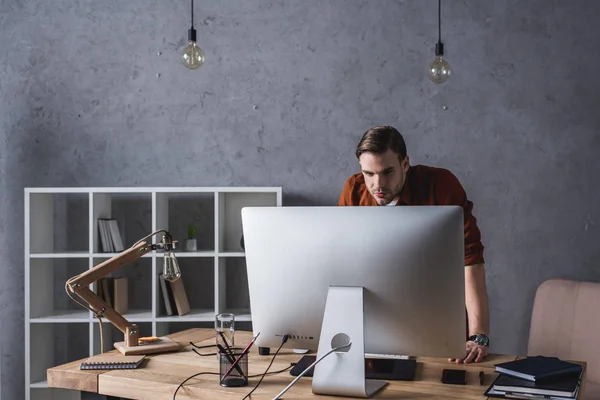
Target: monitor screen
409,260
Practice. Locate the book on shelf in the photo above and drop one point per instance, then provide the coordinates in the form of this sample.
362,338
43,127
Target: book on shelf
112,362
180,297
114,292
167,295
110,236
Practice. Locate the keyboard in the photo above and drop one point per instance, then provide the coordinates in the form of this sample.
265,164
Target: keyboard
387,356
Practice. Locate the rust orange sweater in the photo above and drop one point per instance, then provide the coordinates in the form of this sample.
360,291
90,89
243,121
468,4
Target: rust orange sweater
425,186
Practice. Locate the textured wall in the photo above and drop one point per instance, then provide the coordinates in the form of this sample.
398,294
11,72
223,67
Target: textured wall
92,94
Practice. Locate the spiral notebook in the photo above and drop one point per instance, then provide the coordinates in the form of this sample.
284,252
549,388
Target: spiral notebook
112,362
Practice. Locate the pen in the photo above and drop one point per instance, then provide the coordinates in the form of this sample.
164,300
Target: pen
230,359
481,378
225,341
237,360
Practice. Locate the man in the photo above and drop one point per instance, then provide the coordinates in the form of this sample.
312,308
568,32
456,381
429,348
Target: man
388,179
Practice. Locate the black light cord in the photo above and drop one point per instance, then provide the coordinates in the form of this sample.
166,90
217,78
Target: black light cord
216,373
439,21
192,13
285,339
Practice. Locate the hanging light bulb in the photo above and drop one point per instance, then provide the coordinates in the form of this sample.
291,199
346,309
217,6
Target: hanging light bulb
439,69
171,270
193,56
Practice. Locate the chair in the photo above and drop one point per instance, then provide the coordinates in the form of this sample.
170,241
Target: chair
565,323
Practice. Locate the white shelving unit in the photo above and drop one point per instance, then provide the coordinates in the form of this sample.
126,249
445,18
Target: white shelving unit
62,240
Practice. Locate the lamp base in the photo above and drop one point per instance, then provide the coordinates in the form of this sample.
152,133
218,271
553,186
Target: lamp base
163,345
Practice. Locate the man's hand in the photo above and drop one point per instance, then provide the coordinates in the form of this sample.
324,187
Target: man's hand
475,353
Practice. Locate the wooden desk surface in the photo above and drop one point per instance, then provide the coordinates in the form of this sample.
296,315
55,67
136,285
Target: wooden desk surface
160,375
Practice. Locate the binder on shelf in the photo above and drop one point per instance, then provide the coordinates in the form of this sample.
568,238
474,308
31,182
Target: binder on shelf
110,236
180,297
114,292
167,295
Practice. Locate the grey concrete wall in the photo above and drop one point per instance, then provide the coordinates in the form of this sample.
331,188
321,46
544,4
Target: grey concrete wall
92,93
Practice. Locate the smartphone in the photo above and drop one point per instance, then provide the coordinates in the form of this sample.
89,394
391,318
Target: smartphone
454,376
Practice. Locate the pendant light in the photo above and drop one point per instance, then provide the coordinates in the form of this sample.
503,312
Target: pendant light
439,69
193,56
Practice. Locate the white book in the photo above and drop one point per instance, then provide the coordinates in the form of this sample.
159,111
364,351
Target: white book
103,236
116,235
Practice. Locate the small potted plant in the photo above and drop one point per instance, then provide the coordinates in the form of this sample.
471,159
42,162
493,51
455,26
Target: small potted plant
190,243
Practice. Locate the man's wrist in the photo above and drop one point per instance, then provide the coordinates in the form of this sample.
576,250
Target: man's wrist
480,338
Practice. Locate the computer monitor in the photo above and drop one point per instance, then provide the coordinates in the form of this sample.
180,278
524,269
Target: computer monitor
409,261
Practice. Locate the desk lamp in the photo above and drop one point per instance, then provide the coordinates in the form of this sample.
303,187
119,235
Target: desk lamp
79,286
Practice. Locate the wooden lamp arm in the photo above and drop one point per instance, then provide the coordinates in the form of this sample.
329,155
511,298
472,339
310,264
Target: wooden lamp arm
79,286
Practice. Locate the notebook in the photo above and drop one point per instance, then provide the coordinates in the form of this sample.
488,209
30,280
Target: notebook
564,387
112,362
538,368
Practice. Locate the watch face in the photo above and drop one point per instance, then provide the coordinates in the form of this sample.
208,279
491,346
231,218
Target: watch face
480,339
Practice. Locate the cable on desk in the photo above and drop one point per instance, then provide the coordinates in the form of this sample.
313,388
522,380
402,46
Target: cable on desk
308,369
203,347
283,340
216,373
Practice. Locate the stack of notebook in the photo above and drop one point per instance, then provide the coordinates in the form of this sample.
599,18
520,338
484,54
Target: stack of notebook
536,377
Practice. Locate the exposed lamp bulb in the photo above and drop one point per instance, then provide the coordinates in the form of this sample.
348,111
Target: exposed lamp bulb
193,56
171,271
439,69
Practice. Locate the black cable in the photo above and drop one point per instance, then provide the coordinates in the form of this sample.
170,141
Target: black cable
439,20
216,373
285,339
249,376
193,376
203,347
192,13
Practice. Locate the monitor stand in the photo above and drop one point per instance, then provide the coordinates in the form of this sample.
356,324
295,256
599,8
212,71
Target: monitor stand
343,373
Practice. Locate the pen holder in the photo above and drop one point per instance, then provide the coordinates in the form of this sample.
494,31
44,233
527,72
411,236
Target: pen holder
236,376
225,330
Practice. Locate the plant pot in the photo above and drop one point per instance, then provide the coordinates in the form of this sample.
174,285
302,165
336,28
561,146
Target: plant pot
190,245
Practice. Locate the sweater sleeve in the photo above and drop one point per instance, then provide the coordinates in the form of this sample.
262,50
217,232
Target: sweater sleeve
449,191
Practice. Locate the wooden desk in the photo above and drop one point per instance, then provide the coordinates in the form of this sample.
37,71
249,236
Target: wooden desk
159,376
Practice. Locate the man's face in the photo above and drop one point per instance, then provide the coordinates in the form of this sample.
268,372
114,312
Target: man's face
384,175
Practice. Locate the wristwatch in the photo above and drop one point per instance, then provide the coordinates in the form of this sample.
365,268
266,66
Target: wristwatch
480,339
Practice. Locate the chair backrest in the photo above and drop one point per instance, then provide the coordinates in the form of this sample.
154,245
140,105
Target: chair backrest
565,323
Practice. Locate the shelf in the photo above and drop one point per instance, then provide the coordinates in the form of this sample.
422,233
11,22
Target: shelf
58,222
134,316
181,254
62,241
241,315
77,254
175,211
63,316
132,211
230,205
193,315
111,255
232,254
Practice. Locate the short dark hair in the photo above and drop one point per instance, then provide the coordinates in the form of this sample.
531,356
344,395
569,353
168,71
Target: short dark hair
381,139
